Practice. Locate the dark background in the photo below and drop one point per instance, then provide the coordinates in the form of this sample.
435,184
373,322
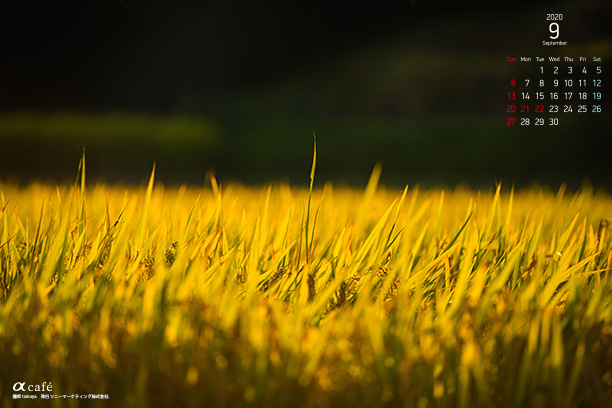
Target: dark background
238,87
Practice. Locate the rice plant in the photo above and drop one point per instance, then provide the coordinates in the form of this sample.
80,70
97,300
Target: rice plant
232,296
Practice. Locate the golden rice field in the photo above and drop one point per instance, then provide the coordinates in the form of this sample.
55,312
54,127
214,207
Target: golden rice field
233,296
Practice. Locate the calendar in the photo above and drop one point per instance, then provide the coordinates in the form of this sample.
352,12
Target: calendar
554,83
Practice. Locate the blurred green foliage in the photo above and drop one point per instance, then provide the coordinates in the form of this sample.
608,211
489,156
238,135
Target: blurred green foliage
429,108
119,147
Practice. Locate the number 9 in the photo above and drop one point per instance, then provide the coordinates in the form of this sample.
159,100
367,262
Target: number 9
554,29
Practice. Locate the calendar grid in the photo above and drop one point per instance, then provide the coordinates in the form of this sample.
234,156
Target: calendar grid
552,89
